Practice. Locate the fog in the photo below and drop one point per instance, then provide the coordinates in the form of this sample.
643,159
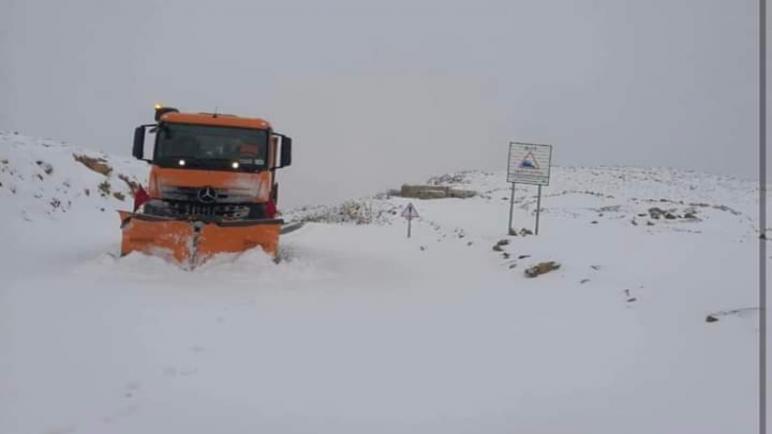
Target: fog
377,94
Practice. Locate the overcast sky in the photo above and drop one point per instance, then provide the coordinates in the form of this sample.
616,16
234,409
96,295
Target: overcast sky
379,93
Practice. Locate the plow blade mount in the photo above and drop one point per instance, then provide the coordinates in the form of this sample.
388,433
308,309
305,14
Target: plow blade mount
193,242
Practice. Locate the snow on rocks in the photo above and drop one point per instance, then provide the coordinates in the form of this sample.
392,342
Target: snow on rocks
42,178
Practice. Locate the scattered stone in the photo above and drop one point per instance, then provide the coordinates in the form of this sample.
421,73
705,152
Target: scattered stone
594,222
670,216
120,196
610,208
104,188
632,299
541,268
505,255
498,247
422,248
523,256
595,267
133,185
633,222
98,165
583,281
524,232
87,191
711,318
49,169
513,265
656,213
469,243
649,223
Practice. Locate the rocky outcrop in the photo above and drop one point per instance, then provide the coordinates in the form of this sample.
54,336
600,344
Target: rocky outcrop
434,192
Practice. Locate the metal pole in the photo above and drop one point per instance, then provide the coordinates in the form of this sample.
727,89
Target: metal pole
763,216
511,210
538,210
409,221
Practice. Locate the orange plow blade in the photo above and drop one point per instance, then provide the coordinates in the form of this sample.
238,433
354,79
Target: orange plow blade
193,242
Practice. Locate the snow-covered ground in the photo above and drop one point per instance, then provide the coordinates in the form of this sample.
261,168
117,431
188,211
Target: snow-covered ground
359,329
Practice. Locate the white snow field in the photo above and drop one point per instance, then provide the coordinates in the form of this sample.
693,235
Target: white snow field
361,330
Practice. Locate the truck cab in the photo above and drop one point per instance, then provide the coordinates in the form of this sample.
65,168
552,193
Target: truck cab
212,186
212,166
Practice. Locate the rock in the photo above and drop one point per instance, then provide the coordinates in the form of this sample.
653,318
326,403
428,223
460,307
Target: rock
454,178
594,222
524,232
498,247
49,169
461,194
133,185
424,191
656,213
583,281
711,318
434,192
541,268
505,255
98,165
104,188
523,256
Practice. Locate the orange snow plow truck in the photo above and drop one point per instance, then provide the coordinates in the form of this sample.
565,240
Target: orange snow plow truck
212,186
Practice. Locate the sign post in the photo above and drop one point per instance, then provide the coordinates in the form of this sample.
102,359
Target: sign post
409,213
529,163
511,210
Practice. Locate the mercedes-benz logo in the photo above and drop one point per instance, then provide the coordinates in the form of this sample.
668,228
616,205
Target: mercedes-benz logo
207,195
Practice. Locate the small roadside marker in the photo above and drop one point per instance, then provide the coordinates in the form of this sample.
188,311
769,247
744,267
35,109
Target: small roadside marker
409,213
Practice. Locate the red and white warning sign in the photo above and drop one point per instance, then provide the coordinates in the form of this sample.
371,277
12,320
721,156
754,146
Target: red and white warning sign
529,163
410,212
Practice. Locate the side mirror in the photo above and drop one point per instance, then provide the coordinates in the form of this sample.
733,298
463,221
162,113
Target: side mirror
138,150
286,151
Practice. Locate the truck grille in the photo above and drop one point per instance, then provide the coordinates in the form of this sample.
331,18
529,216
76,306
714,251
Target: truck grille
192,209
218,195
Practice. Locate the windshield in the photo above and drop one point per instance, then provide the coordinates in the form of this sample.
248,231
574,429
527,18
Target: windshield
210,146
